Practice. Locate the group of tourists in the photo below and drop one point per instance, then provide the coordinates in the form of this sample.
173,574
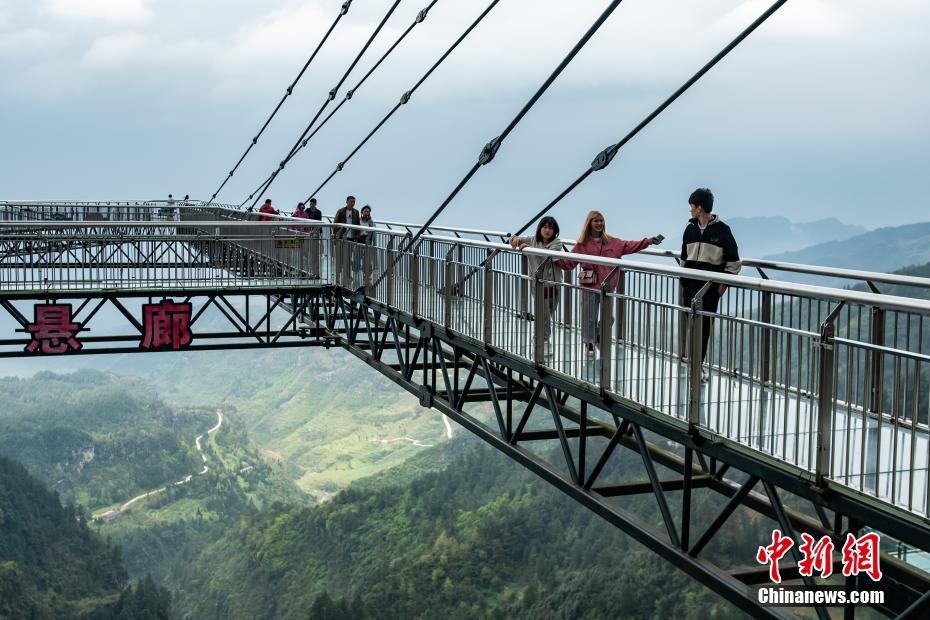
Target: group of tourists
707,244
346,215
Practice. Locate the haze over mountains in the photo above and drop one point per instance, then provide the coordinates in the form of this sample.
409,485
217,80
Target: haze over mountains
761,236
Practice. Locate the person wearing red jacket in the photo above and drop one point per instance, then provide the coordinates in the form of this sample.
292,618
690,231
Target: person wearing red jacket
595,241
268,211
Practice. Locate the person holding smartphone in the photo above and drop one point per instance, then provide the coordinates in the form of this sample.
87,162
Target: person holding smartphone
594,241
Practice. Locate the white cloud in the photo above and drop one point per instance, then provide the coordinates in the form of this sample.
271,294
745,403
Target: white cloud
28,42
809,19
116,50
96,10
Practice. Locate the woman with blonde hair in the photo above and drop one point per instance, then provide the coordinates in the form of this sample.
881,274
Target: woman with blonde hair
595,241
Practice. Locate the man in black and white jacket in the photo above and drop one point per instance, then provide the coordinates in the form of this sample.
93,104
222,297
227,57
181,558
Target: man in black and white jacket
707,244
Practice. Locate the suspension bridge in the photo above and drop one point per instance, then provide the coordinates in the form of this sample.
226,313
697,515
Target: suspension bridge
812,408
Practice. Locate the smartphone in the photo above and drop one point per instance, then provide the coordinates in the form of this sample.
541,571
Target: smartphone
658,239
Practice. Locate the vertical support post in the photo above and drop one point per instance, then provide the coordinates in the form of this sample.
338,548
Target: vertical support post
686,500
825,400
765,316
570,296
389,279
431,264
539,311
604,332
447,288
414,279
487,298
523,289
366,266
876,376
695,358
621,308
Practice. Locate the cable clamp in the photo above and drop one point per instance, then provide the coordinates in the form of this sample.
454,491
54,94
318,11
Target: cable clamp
345,7
604,158
489,151
350,93
255,140
332,94
340,166
422,15
290,89
405,97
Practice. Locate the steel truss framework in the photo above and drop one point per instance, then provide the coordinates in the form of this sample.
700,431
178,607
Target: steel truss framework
447,372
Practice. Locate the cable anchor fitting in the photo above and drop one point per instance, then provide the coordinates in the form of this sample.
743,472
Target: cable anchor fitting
406,97
604,158
489,151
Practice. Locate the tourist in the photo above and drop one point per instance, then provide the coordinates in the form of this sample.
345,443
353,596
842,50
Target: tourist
267,211
546,238
707,244
347,215
595,241
300,213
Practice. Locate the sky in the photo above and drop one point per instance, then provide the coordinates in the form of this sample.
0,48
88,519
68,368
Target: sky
820,113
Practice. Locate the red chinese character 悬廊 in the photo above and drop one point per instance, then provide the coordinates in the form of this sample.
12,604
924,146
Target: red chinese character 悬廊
860,555
166,325
816,556
53,331
772,553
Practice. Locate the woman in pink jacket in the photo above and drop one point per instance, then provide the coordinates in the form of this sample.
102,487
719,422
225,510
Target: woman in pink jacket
595,241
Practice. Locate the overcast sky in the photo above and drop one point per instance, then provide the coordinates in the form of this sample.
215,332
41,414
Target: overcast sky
822,112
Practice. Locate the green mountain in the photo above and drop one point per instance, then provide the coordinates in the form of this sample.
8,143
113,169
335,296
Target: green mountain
322,413
479,538
53,566
760,236
883,249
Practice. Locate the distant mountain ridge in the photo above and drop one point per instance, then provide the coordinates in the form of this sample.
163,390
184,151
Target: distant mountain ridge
884,249
759,236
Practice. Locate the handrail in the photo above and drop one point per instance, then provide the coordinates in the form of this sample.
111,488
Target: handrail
815,270
890,302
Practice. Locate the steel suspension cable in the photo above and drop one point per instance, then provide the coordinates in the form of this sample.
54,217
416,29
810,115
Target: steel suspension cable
491,148
405,98
604,158
287,93
330,97
421,16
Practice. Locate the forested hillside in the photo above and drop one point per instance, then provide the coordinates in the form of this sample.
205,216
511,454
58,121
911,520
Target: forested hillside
480,538
53,566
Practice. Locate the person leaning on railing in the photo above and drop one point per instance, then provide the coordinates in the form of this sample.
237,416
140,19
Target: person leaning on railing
546,238
267,211
595,241
707,244
300,213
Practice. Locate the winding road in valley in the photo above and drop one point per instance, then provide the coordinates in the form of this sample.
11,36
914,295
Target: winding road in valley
187,478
